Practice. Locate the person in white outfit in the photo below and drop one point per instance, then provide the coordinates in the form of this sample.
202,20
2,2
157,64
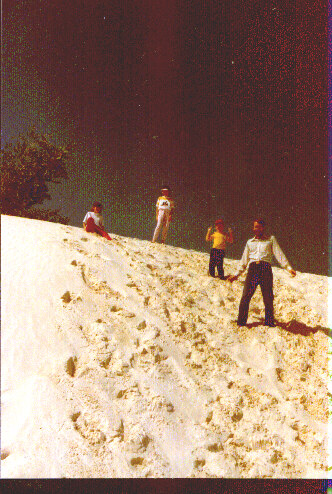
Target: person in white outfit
164,211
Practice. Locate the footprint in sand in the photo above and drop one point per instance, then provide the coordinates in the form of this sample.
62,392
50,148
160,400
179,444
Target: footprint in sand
141,325
199,463
237,415
137,461
106,362
215,447
4,454
75,416
96,285
66,297
127,313
115,308
88,430
121,393
138,440
120,311
70,366
119,431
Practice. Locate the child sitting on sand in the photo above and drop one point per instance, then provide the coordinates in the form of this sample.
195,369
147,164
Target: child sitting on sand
217,252
93,221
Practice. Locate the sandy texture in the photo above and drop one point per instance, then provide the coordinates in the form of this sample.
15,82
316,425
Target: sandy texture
122,359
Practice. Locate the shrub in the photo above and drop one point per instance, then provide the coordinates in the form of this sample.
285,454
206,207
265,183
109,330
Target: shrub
27,167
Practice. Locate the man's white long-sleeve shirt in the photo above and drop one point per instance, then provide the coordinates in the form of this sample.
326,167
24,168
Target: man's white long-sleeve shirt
257,249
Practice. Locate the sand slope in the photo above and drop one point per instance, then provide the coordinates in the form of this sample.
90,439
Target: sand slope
122,359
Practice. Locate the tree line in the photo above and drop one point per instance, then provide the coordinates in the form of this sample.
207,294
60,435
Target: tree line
28,166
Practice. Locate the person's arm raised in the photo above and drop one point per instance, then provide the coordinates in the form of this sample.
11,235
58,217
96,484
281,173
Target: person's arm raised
208,237
230,238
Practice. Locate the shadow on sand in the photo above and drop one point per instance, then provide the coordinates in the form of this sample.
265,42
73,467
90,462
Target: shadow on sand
296,327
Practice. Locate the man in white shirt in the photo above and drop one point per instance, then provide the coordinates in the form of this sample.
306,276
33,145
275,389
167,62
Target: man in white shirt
258,254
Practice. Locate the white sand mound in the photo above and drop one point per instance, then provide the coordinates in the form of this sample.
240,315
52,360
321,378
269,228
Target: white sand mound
122,359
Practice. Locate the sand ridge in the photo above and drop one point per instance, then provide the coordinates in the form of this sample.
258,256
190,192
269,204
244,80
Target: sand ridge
122,358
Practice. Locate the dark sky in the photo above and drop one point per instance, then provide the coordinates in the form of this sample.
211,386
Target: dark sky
225,101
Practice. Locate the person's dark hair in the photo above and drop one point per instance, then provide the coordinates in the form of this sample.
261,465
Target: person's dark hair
166,187
96,204
260,221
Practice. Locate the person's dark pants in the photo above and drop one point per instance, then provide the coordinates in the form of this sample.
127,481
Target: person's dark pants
217,260
258,274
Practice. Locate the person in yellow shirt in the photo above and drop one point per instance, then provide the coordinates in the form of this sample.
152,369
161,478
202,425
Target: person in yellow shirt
217,253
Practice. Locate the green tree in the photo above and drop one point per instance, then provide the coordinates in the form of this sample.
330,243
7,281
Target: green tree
27,167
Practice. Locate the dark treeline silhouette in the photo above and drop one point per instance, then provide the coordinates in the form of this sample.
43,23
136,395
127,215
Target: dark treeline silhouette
28,165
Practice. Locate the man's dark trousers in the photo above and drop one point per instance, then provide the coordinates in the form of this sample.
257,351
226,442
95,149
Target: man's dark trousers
258,274
217,259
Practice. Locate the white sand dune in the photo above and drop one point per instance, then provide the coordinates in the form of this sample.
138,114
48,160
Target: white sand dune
122,359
